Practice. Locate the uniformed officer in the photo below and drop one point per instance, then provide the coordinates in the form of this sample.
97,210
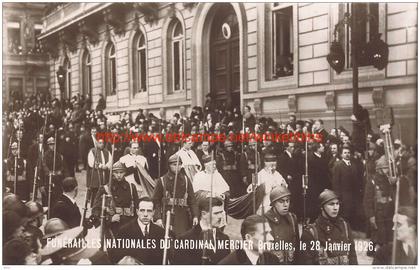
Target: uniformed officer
124,201
284,225
185,205
13,162
329,240
228,165
57,175
379,203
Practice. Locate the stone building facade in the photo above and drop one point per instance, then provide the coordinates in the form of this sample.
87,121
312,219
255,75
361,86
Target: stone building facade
271,56
25,65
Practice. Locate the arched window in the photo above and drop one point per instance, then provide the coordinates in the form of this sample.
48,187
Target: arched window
67,68
86,73
110,70
177,56
139,63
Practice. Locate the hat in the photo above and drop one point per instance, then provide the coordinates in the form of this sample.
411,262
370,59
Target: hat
14,145
118,166
278,192
174,159
54,227
270,157
326,196
228,143
206,159
371,146
381,163
34,209
51,140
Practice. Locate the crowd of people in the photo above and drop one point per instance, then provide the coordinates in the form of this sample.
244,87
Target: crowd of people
331,186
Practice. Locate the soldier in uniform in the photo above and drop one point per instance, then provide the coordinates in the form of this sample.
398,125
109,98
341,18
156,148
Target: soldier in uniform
14,162
329,240
123,203
57,175
284,225
379,204
99,164
184,202
247,162
228,166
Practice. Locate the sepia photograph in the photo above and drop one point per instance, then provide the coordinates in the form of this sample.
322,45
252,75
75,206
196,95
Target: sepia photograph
209,133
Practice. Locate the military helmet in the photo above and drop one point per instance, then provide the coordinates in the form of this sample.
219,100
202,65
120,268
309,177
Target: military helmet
118,166
381,163
174,159
278,192
326,196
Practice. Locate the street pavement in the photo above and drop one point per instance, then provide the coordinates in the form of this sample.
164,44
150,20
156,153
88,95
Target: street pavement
233,227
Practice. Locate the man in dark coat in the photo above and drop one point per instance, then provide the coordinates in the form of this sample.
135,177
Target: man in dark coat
255,230
142,230
328,230
85,144
154,152
406,251
284,225
48,169
345,184
66,208
227,163
319,178
197,233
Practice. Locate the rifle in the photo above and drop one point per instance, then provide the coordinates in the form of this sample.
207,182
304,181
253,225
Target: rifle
205,259
51,175
169,214
38,162
86,200
18,135
305,182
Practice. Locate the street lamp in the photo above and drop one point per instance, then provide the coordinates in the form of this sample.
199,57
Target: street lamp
61,77
376,51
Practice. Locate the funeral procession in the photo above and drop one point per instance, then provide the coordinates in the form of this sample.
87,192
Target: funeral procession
209,133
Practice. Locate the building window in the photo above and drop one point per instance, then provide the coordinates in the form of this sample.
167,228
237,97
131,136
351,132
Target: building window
67,68
177,56
16,88
86,73
139,63
368,16
282,41
110,70
14,45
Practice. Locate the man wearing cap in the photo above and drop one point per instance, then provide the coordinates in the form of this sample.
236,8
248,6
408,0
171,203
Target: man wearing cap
406,246
190,162
379,203
227,162
57,175
124,201
247,162
329,240
66,208
184,202
270,178
202,181
22,185
133,161
284,225
99,164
